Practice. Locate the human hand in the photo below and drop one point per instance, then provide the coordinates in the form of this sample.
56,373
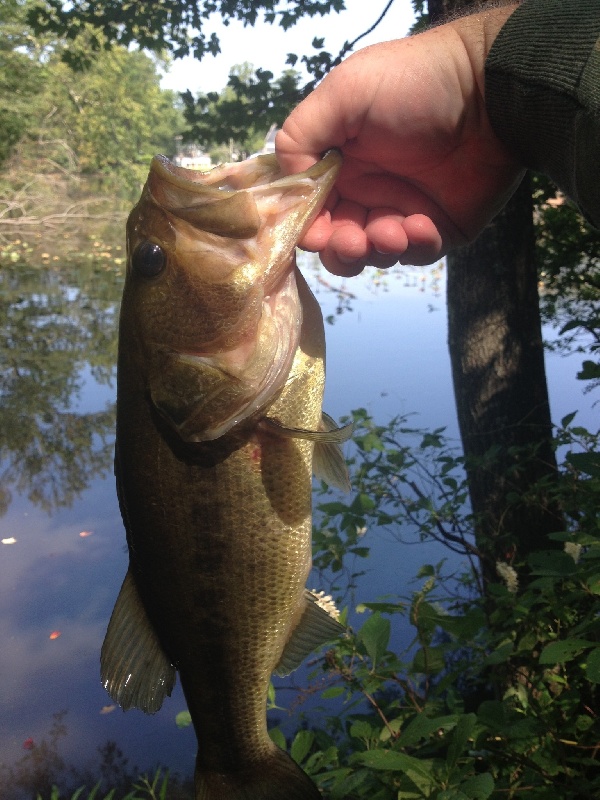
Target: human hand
423,171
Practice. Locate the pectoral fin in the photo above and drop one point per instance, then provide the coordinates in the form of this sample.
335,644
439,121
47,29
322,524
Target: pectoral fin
316,626
329,463
133,666
328,459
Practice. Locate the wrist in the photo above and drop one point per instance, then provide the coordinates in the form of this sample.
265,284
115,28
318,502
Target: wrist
478,33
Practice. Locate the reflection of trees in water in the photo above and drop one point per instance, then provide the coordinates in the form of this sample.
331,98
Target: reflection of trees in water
43,767
376,281
57,322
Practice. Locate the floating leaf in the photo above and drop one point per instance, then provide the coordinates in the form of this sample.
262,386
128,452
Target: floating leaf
85,534
54,635
28,744
9,540
107,709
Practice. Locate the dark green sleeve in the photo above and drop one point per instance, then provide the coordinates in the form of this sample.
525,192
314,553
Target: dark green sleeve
542,92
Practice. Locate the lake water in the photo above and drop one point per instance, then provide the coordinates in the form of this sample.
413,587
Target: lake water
62,557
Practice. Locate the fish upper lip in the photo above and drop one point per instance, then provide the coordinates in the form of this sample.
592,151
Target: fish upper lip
200,183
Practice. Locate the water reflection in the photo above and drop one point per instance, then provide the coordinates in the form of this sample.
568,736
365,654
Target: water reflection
59,330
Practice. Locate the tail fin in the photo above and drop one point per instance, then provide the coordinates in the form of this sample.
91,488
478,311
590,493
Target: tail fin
278,777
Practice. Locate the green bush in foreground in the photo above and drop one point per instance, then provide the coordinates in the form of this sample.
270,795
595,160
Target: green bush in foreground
498,696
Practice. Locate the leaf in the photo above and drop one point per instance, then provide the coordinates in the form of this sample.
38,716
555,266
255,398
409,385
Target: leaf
183,719
333,691
278,738
421,727
565,650
375,635
460,737
479,787
590,370
361,503
554,563
592,669
429,660
568,419
393,761
332,508
500,655
585,462
360,729
386,608
301,745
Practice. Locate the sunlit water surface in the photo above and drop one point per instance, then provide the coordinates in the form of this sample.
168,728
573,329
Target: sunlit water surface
60,572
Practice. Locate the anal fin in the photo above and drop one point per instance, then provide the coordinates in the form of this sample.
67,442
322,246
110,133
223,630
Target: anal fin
133,666
316,626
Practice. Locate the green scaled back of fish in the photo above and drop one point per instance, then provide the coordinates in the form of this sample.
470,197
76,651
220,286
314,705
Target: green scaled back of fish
219,427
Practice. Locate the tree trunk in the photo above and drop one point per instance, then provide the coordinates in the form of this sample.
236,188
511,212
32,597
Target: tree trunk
497,357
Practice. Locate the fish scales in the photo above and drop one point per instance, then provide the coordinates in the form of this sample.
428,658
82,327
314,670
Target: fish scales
220,384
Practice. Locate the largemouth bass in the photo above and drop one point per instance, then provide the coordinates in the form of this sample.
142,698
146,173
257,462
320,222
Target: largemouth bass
219,428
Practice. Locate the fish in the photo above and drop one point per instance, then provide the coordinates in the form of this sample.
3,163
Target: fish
220,379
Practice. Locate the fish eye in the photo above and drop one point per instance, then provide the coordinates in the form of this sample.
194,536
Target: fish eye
148,259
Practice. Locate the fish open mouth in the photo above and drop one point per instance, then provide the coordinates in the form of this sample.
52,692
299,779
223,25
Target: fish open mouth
236,229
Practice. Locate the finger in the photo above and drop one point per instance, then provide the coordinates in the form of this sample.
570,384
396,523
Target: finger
344,268
385,231
425,241
382,260
342,213
317,235
348,268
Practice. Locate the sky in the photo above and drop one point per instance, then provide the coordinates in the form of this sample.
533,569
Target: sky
267,46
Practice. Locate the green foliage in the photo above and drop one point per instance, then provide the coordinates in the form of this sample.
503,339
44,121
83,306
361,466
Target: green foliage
176,26
145,788
568,251
497,695
106,121
251,102
408,482
21,76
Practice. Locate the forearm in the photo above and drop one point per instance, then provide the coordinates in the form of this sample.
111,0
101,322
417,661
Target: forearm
542,93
